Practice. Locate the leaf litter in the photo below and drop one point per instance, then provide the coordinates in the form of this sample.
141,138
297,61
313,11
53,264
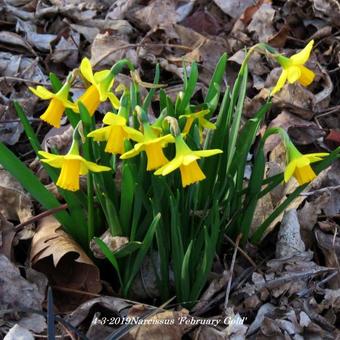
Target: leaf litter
289,288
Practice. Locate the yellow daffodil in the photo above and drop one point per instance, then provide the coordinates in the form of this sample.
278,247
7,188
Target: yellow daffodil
299,164
72,166
59,101
294,69
115,133
153,147
186,161
100,89
202,122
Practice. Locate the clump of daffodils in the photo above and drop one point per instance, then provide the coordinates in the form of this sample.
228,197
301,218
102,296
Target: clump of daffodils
152,138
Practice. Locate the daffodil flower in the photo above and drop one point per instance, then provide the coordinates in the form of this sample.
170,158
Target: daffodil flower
153,146
299,164
100,89
186,161
59,101
294,69
72,166
202,122
115,133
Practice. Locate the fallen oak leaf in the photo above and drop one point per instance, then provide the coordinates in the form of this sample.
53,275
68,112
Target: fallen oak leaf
57,255
15,203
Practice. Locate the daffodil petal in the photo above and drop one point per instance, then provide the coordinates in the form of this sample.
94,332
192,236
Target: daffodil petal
207,153
133,134
114,100
86,70
47,155
317,154
95,167
113,119
42,92
302,161
302,57
100,135
164,140
293,74
170,167
73,157
290,168
187,159
139,147
56,162
314,159
206,124
100,75
280,83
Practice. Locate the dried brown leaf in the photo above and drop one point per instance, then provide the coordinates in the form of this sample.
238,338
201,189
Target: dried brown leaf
158,12
262,23
234,8
113,243
15,291
14,42
289,240
7,234
107,49
58,256
330,247
15,203
155,330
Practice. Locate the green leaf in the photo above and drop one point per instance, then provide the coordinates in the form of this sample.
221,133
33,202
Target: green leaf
189,89
32,184
33,139
152,91
126,197
235,126
185,273
110,256
138,260
215,84
127,249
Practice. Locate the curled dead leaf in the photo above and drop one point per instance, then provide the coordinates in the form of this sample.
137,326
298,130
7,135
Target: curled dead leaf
63,261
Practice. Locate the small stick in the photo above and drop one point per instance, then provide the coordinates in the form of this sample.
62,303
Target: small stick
231,272
6,78
247,257
40,216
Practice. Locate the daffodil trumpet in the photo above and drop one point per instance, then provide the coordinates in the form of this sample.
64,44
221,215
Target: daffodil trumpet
203,123
186,161
115,133
299,165
294,69
153,146
72,166
58,102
